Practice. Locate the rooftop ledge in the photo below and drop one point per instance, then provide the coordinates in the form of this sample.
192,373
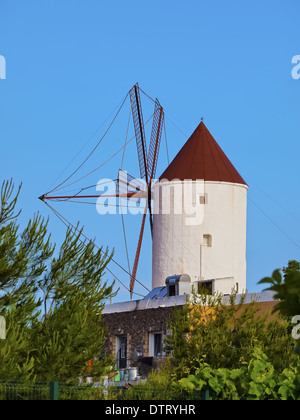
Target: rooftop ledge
138,305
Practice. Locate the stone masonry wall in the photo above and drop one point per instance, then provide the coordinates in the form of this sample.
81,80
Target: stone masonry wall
137,325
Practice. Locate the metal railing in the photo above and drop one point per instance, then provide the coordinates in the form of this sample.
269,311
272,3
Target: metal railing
24,390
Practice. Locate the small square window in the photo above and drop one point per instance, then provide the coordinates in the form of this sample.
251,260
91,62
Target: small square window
202,199
207,240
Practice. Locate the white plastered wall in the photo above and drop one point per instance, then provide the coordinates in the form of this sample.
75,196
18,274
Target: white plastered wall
178,247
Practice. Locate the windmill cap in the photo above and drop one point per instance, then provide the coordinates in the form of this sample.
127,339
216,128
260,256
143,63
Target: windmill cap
202,158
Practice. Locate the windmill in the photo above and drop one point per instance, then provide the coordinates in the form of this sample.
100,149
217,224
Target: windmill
147,160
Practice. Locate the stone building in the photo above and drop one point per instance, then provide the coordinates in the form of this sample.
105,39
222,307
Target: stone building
138,330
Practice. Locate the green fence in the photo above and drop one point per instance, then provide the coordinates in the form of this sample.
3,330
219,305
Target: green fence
19,390
24,390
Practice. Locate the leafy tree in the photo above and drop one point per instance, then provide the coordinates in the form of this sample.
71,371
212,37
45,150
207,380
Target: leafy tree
52,303
22,260
225,335
287,291
292,265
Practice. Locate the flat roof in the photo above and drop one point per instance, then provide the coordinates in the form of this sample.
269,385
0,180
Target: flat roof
169,301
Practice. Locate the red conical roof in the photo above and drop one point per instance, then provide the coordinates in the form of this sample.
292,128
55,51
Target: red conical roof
202,158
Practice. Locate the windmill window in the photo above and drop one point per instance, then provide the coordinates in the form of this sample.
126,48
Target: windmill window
203,199
207,240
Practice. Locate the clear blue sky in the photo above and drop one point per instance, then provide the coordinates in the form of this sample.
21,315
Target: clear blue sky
70,62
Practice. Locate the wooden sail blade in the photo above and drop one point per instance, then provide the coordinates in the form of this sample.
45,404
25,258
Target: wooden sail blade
152,158
139,129
157,125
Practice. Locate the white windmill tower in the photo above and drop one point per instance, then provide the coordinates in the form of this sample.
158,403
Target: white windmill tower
212,248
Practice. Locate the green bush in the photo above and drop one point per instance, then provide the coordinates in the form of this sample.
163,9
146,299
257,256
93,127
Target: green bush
225,336
257,380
